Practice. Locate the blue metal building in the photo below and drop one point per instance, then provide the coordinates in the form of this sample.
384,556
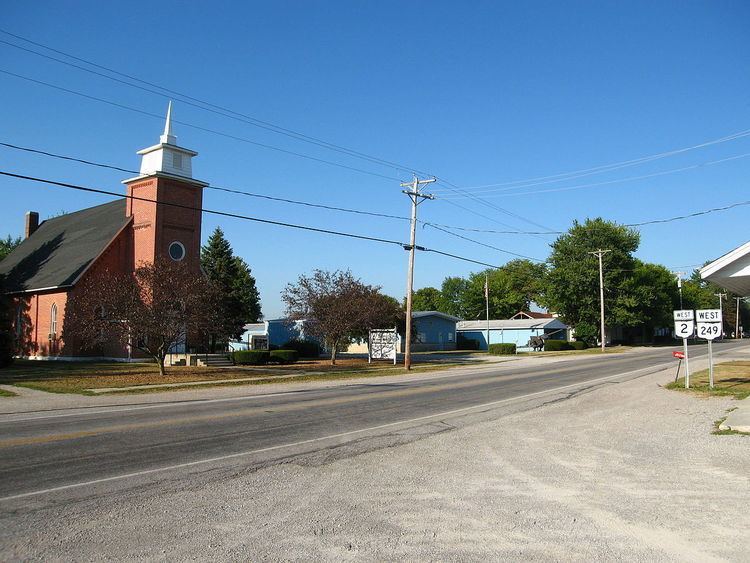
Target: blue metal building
514,331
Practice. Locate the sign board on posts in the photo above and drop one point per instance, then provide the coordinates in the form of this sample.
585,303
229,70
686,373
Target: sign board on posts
684,323
382,344
709,323
678,355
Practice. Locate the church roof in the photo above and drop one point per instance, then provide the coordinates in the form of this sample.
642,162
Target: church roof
62,248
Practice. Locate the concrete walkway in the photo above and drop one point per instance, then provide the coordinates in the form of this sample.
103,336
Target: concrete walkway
739,419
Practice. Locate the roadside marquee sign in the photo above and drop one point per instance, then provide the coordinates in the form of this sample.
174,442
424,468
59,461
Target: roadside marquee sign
382,344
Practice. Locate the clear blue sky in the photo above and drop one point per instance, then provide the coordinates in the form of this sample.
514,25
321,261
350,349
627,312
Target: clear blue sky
476,93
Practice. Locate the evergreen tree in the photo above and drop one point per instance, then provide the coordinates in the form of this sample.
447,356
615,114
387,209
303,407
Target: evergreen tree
240,301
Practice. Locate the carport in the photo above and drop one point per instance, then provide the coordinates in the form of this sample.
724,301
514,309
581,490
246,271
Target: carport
731,271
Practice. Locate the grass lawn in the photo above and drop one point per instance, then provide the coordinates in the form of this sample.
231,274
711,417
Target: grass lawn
730,378
77,377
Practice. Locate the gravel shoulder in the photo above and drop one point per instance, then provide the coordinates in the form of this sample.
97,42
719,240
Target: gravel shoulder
621,471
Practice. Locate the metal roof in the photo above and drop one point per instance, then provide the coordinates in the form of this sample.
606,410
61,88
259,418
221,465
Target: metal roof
62,248
422,314
512,324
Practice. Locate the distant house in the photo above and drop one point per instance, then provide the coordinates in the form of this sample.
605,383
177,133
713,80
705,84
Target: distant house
516,331
433,331
274,332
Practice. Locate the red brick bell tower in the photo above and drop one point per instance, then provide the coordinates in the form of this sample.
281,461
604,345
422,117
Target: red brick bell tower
166,177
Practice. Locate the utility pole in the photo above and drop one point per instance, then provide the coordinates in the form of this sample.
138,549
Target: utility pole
737,320
487,304
599,253
678,276
721,312
416,198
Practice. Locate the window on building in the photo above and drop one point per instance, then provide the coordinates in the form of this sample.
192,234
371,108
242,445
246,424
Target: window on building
450,337
176,251
177,160
53,320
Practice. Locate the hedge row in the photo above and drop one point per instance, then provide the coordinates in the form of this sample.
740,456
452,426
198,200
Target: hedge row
305,348
261,357
560,345
502,349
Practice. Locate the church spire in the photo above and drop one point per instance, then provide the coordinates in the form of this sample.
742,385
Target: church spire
167,137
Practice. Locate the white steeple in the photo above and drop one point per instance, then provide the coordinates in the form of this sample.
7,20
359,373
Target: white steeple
167,137
166,157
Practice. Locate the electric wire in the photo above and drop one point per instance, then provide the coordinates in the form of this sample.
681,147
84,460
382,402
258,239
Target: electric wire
243,217
485,244
198,103
613,166
608,182
217,188
197,127
362,212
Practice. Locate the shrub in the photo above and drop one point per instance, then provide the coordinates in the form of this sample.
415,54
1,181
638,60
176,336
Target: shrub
502,349
251,357
305,348
284,356
557,345
578,345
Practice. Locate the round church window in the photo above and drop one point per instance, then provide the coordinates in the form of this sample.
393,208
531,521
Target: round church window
176,251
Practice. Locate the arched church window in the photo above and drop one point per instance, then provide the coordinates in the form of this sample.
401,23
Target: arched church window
176,251
53,319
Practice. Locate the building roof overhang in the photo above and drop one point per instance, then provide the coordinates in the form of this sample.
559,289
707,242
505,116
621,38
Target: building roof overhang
731,271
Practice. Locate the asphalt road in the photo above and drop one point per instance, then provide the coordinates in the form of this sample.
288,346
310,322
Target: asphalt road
42,454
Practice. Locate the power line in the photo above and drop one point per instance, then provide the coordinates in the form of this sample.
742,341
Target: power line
197,127
217,188
607,182
384,215
613,166
239,216
485,244
198,103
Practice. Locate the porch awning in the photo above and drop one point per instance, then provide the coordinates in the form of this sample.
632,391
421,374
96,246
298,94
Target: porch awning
731,271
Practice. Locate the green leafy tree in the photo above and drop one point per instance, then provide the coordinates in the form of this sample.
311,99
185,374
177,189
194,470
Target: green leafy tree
646,299
240,301
512,288
453,297
8,244
427,299
572,287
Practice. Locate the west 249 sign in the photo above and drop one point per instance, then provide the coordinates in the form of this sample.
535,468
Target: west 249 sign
708,326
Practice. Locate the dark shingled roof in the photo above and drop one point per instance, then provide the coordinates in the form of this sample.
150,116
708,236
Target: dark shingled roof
62,248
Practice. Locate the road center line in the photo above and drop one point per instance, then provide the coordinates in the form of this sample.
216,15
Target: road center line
443,414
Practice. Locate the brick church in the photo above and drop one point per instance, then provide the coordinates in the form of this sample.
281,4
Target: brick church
44,271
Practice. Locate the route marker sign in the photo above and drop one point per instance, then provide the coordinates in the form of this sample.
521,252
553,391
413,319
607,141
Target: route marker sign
684,323
684,326
709,327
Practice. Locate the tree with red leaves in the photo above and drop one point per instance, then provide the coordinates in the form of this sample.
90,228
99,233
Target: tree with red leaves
152,310
338,308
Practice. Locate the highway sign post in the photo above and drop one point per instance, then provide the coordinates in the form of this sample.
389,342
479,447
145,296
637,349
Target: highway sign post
684,326
709,327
